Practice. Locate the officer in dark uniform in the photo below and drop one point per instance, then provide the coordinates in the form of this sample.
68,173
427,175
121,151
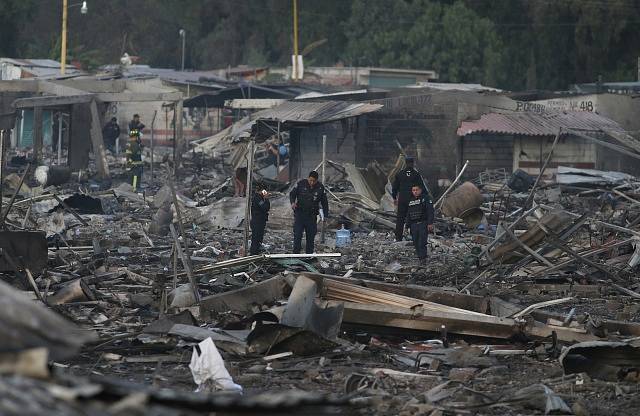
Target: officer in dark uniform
401,193
306,199
260,206
420,214
136,124
134,158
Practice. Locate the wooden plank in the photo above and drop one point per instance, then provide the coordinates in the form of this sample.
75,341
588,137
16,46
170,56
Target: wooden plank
432,294
247,299
527,248
425,320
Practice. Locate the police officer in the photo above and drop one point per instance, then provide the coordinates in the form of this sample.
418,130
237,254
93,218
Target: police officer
420,215
134,158
136,124
401,193
306,199
110,133
260,206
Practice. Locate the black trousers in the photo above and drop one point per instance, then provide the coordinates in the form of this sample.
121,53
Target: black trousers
420,235
403,206
306,223
257,235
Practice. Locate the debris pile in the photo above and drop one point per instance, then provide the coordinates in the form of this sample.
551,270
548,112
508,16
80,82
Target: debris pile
529,303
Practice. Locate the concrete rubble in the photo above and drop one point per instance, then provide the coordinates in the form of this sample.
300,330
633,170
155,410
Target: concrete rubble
529,303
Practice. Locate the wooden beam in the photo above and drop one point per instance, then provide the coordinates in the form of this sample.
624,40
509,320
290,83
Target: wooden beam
37,134
98,142
428,320
527,248
51,101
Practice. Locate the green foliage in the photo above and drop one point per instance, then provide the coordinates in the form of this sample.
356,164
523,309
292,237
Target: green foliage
511,44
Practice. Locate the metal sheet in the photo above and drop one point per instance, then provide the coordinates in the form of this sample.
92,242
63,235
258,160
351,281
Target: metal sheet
537,124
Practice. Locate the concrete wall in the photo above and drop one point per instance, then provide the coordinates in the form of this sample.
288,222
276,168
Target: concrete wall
486,153
425,124
531,152
306,146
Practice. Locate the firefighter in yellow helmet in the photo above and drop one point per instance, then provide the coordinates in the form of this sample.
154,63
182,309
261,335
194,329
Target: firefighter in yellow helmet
134,158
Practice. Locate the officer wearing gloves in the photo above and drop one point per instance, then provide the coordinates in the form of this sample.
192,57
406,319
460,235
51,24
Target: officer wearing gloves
306,199
134,158
260,206
420,215
401,193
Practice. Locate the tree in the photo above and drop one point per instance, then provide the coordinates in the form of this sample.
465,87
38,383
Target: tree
452,39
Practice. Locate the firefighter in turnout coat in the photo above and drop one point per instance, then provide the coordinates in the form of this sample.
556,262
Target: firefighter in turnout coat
134,158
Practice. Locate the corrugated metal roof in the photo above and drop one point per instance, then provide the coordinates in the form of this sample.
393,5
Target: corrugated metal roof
315,112
41,68
537,124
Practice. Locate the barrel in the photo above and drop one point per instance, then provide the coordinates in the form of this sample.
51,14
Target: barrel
462,201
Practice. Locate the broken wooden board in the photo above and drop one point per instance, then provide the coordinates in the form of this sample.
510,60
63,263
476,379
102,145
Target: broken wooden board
248,299
432,294
474,325
429,320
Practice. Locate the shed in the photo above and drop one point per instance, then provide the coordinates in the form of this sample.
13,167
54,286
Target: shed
522,140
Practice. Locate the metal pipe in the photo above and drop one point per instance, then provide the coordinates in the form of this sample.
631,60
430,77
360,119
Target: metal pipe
153,122
248,194
1,170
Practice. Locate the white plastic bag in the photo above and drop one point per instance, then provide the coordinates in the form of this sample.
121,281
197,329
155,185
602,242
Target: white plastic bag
208,369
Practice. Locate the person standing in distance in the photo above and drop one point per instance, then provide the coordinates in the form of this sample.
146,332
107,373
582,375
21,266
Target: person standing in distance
420,215
306,199
260,206
401,193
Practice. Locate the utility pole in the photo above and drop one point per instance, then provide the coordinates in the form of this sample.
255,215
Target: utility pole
295,60
63,43
183,35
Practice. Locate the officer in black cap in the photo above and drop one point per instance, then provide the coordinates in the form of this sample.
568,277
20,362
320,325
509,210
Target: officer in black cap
306,199
420,216
401,193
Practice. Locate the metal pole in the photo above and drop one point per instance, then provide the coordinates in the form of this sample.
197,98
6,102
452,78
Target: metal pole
63,43
324,164
248,194
183,35
295,40
60,138
153,122
1,170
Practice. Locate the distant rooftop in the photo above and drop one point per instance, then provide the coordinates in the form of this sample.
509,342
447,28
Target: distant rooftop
631,87
206,78
34,68
537,124
453,86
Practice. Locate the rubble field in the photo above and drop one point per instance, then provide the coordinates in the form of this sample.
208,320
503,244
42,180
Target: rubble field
125,302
